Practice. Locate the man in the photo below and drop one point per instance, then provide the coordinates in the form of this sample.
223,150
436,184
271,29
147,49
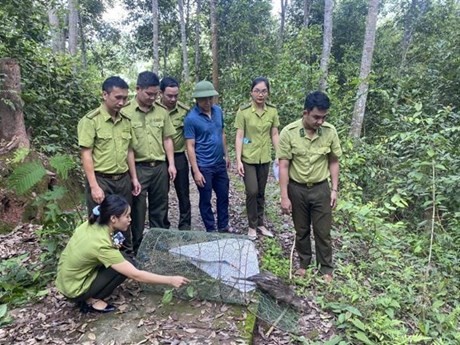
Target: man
106,139
207,152
153,130
169,94
309,151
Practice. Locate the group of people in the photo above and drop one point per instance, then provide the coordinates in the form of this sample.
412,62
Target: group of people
131,150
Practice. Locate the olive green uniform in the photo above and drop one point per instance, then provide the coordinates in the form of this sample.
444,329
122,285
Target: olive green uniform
181,182
308,189
86,259
256,156
109,141
150,128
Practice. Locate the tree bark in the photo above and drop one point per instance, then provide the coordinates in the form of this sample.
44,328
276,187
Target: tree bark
73,26
183,37
215,58
82,42
12,127
284,4
306,12
327,43
156,50
56,33
366,62
197,41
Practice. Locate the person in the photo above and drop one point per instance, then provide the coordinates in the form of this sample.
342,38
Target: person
256,125
106,139
207,152
308,153
153,129
92,266
169,99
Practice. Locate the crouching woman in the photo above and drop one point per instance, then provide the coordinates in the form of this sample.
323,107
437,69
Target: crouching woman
92,266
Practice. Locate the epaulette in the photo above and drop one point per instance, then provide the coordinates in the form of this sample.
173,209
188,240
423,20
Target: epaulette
245,106
270,105
183,106
93,113
160,105
291,126
126,116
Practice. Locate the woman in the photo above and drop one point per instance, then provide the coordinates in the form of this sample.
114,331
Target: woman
92,266
257,124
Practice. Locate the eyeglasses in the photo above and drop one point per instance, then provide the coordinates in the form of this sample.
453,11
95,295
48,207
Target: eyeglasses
260,92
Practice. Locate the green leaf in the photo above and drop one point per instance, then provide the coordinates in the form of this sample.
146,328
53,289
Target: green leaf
3,310
358,323
361,336
42,293
353,310
63,164
191,291
167,297
26,176
334,341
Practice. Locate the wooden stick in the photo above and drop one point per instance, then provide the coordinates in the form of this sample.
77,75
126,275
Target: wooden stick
276,323
291,257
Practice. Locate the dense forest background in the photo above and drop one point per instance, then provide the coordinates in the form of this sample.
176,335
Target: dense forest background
394,87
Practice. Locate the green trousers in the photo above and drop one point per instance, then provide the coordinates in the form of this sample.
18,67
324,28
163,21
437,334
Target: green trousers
255,180
155,185
311,208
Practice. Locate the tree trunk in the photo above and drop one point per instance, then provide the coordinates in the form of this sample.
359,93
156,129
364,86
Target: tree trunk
366,62
55,30
327,43
12,128
183,37
284,4
82,42
215,58
73,26
197,41
156,50
306,12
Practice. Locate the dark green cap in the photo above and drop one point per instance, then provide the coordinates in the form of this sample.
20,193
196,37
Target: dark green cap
204,89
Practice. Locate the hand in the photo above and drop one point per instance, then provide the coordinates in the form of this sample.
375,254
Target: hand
199,179
227,162
172,172
136,187
240,168
178,281
286,206
333,198
97,194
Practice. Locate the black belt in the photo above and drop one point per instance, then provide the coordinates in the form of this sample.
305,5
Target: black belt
113,177
151,164
308,184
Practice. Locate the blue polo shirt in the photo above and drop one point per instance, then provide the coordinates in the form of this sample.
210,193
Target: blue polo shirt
207,132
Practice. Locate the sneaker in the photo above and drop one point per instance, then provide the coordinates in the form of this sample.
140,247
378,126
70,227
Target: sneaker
252,234
264,231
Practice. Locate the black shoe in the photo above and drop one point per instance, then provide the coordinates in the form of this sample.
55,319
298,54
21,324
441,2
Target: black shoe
86,308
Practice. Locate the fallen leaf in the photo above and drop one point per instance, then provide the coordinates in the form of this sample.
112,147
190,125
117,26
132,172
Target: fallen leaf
92,336
190,330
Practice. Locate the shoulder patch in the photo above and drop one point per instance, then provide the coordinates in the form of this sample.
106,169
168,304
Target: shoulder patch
270,105
245,106
183,106
93,113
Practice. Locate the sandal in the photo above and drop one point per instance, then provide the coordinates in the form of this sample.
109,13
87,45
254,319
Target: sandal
89,307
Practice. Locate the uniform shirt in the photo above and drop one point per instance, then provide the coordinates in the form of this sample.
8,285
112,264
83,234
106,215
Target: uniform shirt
109,140
89,247
308,157
177,116
207,132
150,129
257,132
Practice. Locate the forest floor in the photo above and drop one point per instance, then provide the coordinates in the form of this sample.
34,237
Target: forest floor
142,318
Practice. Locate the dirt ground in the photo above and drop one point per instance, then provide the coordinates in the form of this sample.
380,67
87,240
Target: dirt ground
54,320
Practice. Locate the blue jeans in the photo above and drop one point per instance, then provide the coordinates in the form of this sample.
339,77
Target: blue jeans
216,179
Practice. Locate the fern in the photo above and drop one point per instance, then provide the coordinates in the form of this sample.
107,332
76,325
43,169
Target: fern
20,154
26,176
63,164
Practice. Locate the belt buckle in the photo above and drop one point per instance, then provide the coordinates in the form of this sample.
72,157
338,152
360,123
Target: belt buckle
309,184
117,177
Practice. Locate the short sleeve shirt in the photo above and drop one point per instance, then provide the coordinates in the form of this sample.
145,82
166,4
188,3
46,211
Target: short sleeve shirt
309,158
177,116
257,128
89,248
108,139
207,133
150,128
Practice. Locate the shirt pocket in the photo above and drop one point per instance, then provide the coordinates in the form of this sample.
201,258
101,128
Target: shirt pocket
178,124
104,140
138,129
